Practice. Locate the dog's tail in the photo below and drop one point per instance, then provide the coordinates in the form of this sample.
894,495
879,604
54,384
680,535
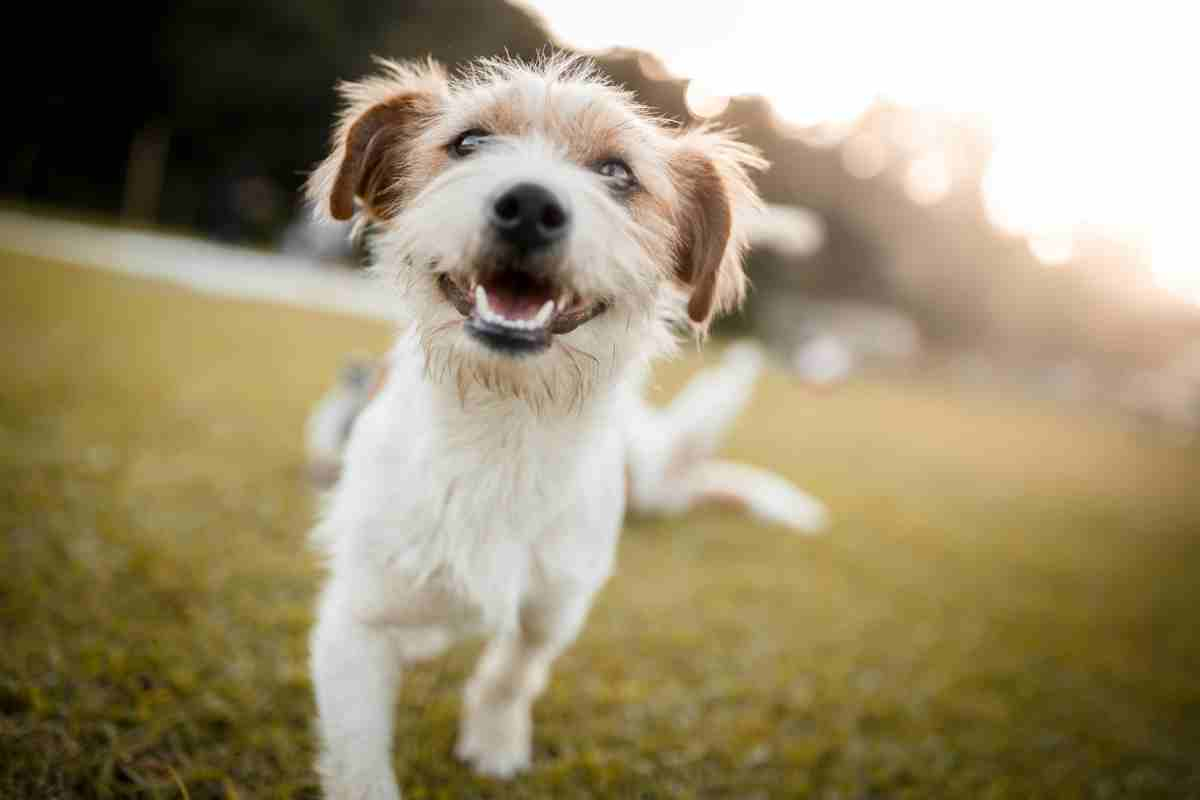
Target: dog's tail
330,423
672,463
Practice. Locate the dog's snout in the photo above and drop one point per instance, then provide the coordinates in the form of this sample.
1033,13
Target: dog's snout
529,216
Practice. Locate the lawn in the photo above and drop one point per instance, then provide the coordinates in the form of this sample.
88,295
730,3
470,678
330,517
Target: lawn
1006,606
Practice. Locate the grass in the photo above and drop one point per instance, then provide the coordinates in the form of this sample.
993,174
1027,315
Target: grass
1006,607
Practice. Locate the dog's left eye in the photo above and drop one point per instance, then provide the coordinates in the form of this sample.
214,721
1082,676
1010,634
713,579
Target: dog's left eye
617,173
468,142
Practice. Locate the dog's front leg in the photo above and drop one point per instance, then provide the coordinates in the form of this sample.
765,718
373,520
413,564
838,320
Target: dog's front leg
356,674
497,726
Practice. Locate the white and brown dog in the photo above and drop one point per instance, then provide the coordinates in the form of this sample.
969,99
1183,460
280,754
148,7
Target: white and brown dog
547,239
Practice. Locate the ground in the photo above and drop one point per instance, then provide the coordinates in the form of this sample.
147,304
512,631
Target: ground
1004,608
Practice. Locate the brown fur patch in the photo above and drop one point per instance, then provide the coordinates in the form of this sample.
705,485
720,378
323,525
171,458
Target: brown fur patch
706,222
374,158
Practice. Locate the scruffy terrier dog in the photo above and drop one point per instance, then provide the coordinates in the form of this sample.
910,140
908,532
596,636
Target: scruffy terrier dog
547,238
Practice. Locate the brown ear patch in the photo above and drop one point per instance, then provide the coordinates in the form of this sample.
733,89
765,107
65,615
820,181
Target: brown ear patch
706,221
373,164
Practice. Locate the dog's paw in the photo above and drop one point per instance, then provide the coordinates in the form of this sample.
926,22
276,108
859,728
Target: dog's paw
798,511
341,781
496,741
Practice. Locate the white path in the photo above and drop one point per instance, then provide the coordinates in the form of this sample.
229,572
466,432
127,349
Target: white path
239,272
204,266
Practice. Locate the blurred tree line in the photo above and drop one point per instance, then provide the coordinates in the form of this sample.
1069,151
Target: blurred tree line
229,95
208,115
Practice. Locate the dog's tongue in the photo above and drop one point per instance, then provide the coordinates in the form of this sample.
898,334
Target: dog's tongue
516,296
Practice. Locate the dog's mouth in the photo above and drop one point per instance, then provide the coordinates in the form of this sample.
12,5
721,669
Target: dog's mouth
517,313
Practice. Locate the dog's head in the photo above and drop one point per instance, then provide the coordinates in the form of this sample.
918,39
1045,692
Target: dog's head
546,229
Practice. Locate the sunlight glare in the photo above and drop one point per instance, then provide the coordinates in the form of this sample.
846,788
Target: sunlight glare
1053,249
928,180
1073,96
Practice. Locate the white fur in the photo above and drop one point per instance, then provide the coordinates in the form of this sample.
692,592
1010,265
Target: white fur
447,522
481,493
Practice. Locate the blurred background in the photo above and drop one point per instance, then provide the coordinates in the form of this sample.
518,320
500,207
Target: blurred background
979,286
990,191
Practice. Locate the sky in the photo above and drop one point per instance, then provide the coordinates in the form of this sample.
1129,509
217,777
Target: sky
1095,126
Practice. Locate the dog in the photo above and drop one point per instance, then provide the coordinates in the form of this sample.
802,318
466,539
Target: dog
546,239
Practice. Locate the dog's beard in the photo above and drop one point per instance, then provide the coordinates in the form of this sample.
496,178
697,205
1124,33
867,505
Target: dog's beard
562,376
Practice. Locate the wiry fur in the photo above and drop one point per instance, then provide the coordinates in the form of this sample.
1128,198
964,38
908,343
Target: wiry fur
481,491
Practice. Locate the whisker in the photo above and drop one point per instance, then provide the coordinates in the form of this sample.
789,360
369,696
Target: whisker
574,349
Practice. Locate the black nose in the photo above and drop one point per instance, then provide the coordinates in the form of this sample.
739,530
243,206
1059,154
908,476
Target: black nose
529,216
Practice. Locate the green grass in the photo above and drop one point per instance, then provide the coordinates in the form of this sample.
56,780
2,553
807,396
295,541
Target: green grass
1006,606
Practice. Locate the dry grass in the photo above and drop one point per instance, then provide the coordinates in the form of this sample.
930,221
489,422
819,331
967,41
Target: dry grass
1005,608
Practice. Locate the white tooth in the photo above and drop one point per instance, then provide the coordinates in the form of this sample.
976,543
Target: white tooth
543,315
481,303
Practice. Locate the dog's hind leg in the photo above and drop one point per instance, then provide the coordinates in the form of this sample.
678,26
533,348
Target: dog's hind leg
698,418
763,494
672,467
663,441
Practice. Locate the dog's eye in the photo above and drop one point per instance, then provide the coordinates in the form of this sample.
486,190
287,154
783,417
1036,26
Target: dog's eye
617,173
468,142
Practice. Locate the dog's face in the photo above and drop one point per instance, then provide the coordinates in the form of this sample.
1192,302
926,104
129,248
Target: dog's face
547,231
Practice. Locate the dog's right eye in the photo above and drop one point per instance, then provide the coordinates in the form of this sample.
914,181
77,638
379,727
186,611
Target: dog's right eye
468,142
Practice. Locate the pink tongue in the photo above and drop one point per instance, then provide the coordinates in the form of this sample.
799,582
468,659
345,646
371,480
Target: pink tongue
515,304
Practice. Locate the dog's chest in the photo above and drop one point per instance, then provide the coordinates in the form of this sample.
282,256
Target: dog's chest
472,512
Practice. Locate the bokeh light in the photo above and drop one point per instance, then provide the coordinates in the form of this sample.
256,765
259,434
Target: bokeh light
865,155
703,103
928,179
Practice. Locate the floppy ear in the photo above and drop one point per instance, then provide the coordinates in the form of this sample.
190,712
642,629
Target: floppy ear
718,197
369,158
